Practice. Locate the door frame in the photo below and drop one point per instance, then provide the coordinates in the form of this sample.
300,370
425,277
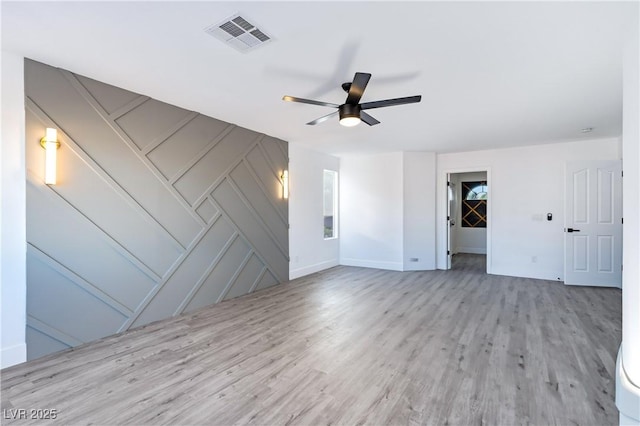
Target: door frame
442,238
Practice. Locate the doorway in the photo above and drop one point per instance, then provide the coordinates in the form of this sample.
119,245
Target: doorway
468,219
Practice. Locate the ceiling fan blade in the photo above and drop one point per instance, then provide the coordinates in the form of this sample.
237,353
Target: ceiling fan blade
360,81
308,101
391,102
322,119
368,119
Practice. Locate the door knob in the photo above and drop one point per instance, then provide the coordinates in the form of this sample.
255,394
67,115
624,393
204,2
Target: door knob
572,230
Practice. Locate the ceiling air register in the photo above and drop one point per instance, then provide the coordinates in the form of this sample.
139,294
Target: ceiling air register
239,33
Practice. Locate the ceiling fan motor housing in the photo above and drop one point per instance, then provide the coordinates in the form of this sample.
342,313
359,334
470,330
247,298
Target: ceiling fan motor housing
348,110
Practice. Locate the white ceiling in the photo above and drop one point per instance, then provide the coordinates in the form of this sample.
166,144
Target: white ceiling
491,74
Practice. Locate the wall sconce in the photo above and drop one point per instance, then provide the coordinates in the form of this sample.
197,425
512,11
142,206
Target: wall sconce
285,184
50,144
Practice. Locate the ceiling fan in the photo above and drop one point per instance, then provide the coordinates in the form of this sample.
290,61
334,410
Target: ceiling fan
351,112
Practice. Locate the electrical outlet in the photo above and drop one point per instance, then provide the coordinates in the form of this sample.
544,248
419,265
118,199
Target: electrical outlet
534,259
413,259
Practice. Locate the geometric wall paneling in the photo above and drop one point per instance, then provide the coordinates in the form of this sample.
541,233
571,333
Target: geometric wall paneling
109,97
276,150
248,278
109,267
110,210
206,210
146,122
54,93
221,276
230,201
41,343
191,269
51,282
265,176
186,144
267,280
214,164
259,201
158,211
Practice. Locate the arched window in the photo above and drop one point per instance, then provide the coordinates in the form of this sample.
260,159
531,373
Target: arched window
477,192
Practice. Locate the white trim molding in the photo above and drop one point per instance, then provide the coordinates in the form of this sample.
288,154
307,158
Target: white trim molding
377,264
13,355
311,269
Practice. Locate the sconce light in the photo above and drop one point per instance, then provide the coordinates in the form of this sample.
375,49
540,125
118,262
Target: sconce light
285,184
50,143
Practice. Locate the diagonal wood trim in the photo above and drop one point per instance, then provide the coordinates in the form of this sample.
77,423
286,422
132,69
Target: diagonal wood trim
98,170
170,132
223,175
188,166
216,260
285,154
52,332
150,296
77,280
264,190
269,161
259,278
234,277
122,250
257,217
123,110
238,230
124,137
274,168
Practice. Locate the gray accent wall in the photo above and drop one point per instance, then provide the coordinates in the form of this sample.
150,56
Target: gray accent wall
158,211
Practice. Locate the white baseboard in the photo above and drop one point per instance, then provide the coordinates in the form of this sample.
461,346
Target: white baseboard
377,264
310,269
616,285
627,395
13,355
472,250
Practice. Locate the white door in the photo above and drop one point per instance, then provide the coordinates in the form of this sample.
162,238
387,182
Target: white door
593,223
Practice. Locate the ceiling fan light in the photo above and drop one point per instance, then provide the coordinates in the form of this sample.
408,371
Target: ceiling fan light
350,121
349,115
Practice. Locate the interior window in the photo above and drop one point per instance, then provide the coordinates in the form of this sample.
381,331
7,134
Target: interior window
330,204
474,204
476,191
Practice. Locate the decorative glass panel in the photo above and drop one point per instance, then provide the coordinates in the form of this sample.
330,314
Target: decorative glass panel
474,204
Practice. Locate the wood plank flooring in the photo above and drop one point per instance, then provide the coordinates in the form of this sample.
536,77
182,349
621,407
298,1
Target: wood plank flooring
349,346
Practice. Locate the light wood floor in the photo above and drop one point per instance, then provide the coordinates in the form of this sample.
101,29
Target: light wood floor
350,346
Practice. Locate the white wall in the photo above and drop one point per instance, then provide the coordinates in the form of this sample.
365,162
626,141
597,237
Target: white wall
13,248
419,215
467,240
520,243
628,371
308,250
371,197
387,207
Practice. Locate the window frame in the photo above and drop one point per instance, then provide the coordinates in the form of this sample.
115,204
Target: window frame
334,206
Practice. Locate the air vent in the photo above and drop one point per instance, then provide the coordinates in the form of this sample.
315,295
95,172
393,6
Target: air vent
239,32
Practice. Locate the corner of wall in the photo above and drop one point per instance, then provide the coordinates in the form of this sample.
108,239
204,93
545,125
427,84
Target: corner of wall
13,284
627,395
